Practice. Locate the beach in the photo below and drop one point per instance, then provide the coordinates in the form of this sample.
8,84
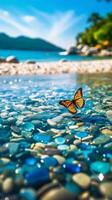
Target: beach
59,67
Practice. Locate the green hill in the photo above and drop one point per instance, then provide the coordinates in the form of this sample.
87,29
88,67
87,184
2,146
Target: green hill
26,43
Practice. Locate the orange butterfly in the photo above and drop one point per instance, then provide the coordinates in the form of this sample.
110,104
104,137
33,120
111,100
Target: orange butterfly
77,102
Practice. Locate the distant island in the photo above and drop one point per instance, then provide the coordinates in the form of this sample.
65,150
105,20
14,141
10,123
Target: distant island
26,43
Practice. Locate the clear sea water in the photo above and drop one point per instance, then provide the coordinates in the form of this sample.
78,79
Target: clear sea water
44,148
43,56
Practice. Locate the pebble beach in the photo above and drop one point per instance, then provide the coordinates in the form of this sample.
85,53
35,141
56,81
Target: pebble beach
95,66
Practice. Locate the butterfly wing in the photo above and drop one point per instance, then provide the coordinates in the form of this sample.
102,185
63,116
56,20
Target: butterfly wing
65,103
72,109
78,98
69,105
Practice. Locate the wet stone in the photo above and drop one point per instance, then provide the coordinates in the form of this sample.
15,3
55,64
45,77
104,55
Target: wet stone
49,162
37,176
81,134
100,167
8,185
106,132
58,194
101,139
59,158
27,126
51,151
83,180
4,133
60,140
13,148
63,147
31,161
28,194
15,129
106,189
72,168
44,138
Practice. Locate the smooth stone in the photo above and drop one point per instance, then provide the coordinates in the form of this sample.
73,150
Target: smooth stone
106,132
106,189
59,158
12,59
31,161
58,194
81,134
37,146
15,129
72,168
101,139
26,134
60,140
72,187
49,162
100,167
28,194
8,185
79,124
73,127
4,133
37,176
13,148
51,151
83,180
28,126
63,147
43,138
109,115
51,122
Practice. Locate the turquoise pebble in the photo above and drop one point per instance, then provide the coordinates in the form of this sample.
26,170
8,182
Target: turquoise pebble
28,126
44,138
81,134
31,161
4,133
100,167
49,162
60,140
28,194
73,188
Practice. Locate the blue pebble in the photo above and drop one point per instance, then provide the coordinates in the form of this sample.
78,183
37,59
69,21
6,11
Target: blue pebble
31,161
81,134
100,167
72,187
37,176
60,140
39,137
72,168
4,133
28,126
28,194
49,162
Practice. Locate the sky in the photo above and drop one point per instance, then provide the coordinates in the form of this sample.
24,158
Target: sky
57,21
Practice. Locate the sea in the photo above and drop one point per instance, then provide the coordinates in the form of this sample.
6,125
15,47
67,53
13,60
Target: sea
47,152
42,56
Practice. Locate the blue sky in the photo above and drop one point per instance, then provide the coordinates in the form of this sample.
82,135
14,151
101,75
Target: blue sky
57,21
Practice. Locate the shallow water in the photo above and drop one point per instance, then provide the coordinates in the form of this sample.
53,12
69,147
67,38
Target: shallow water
45,56
44,148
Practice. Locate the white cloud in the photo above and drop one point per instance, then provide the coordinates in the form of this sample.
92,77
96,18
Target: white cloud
53,27
28,18
10,20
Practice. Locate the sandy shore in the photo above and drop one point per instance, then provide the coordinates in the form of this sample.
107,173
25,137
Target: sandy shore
96,66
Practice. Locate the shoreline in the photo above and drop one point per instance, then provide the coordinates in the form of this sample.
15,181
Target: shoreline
58,67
